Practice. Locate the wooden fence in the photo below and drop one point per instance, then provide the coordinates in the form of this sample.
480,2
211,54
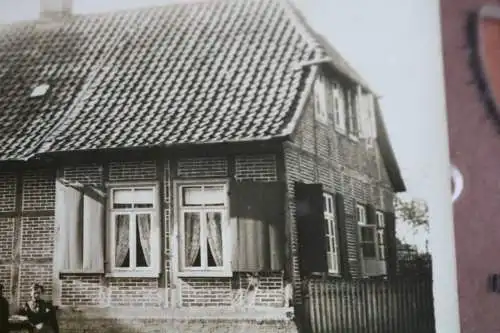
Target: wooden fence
369,306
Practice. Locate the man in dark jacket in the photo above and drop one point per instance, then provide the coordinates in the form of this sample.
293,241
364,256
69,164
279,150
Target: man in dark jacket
4,312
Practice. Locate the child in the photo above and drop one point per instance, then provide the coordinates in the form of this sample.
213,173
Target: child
4,312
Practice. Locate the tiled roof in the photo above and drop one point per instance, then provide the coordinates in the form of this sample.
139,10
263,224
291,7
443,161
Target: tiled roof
216,71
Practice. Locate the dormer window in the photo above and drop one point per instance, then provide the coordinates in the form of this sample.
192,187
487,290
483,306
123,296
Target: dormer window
40,90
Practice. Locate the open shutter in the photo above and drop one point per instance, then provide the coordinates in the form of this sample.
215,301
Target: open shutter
342,238
390,241
257,217
311,228
69,227
93,232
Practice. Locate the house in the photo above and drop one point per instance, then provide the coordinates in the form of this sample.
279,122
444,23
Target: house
472,79
190,156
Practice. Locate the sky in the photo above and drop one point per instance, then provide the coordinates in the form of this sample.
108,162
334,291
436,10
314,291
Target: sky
386,41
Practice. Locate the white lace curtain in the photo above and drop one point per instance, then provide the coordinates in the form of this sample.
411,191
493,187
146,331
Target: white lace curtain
122,239
192,230
214,235
143,228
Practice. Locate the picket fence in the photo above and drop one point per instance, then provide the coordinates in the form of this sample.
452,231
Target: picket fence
402,305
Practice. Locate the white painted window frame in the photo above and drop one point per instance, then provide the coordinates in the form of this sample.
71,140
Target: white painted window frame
178,232
154,269
331,234
380,218
362,221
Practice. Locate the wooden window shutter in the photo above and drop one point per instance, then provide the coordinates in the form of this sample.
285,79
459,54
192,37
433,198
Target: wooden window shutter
342,235
390,241
311,228
93,233
79,220
69,227
258,220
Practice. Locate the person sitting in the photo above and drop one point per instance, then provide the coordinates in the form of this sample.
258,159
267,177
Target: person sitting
4,312
39,314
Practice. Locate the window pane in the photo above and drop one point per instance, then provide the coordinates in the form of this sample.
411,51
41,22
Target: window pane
122,198
330,204
327,228
192,255
197,195
380,220
214,239
143,240
380,234
328,244
143,198
122,241
367,234
331,261
214,195
381,252
369,250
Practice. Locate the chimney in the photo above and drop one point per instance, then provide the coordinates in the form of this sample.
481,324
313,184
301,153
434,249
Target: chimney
55,9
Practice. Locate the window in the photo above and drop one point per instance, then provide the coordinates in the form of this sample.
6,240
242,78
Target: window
203,217
40,90
330,233
352,111
134,230
380,235
367,230
320,99
338,107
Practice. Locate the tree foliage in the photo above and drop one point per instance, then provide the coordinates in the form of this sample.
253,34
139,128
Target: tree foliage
412,211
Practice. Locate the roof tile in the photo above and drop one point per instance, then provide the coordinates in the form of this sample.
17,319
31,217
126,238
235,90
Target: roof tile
203,72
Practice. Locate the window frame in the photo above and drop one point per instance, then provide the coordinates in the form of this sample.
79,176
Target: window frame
339,109
332,234
363,224
178,233
145,272
381,246
320,98
352,113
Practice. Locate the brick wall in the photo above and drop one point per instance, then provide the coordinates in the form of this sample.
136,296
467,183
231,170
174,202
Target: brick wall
319,154
258,168
88,290
229,291
35,242
7,191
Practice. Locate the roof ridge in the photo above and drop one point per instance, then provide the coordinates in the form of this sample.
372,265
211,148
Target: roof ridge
320,43
298,20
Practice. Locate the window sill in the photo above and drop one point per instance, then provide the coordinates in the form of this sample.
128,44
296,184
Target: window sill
133,274
340,130
80,272
207,274
353,137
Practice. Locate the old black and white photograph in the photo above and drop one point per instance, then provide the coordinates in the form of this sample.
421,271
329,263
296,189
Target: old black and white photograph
225,166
